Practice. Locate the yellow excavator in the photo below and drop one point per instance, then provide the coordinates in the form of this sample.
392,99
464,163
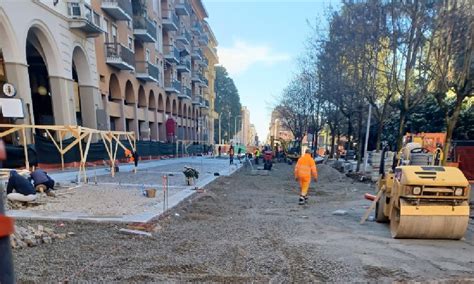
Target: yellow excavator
421,198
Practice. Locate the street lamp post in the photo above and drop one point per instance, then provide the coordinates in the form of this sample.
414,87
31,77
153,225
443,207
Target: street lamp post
220,137
235,125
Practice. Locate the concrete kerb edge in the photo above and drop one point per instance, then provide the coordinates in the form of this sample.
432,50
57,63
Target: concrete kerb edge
124,219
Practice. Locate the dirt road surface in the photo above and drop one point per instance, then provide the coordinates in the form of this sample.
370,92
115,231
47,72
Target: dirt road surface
250,229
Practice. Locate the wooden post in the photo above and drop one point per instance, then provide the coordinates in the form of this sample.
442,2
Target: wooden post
61,149
86,152
25,149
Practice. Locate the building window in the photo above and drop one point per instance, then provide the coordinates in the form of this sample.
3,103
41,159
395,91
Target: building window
107,31
114,33
147,55
130,43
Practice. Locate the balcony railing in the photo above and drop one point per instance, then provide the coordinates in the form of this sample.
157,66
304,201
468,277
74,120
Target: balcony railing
171,53
147,71
184,36
172,86
170,20
197,53
183,8
119,56
184,65
185,93
197,28
204,62
204,81
120,10
204,39
144,29
82,17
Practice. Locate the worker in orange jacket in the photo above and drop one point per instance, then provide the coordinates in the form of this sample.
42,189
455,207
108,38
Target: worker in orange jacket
305,168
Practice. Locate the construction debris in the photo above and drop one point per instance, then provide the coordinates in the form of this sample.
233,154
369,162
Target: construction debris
30,237
135,232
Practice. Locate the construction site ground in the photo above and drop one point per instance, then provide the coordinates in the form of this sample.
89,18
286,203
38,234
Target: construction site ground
246,228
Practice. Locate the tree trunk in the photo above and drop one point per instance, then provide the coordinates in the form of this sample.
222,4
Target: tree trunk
401,129
450,125
333,140
349,133
360,140
380,126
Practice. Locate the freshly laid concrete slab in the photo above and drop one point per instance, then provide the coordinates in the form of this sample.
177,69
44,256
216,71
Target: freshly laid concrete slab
176,192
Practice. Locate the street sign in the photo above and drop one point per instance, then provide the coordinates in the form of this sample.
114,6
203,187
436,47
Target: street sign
12,108
9,90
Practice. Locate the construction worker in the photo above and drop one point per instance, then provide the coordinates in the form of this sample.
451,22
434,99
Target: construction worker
257,156
304,169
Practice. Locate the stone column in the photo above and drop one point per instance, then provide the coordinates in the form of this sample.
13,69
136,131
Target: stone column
90,102
62,94
17,74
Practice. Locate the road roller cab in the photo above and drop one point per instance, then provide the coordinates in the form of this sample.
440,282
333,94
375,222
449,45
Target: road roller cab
425,202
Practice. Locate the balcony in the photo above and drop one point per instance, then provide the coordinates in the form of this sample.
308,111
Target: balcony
144,29
184,65
83,18
204,104
204,81
184,37
170,21
183,8
203,39
196,78
171,53
120,10
119,56
203,62
172,86
197,53
197,28
185,93
147,72
197,100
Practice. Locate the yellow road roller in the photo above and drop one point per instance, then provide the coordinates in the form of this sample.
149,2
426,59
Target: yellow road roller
423,201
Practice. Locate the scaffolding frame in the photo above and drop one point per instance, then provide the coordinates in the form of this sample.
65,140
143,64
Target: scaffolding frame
80,134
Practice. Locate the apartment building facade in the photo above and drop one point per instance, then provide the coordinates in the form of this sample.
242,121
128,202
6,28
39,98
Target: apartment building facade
111,64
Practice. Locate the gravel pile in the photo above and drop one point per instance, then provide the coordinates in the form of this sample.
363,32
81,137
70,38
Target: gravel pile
329,174
32,236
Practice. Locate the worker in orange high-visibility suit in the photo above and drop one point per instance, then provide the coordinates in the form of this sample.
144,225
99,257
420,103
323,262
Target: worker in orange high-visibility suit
305,168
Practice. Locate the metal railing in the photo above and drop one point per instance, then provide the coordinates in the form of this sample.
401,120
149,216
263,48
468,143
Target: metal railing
146,67
143,23
118,51
185,62
172,50
171,16
184,33
197,27
186,4
173,83
125,5
79,9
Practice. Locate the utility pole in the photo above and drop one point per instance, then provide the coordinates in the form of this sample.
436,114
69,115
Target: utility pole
366,155
220,137
235,125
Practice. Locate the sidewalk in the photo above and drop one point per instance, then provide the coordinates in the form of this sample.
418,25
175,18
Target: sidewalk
156,169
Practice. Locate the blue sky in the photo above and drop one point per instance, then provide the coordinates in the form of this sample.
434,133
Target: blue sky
259,43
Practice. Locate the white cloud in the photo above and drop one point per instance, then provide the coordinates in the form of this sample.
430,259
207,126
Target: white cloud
242,55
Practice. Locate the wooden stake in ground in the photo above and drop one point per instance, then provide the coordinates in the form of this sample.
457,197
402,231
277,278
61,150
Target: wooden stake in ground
372,206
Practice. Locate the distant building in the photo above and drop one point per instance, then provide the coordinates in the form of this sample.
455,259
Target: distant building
253,138
277,129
